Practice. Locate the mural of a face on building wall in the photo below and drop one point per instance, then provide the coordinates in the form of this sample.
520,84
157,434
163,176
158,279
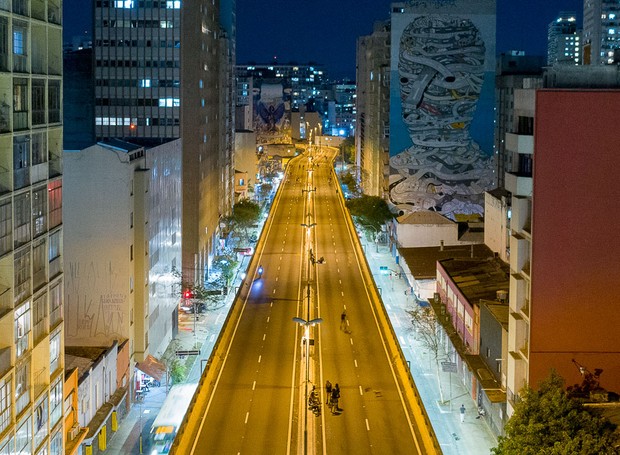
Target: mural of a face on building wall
441,72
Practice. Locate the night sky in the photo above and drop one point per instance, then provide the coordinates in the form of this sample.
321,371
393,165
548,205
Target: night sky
325,31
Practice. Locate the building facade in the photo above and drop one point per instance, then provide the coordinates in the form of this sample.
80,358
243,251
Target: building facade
564,40
601,45
372,132
163,71
514,71
123,253
31,247
561,314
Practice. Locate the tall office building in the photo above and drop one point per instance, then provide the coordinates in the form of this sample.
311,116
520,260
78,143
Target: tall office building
372,131
601,28
31,272
564,40
163,70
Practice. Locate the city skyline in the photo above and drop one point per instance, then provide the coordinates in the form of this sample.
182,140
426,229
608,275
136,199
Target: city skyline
520,26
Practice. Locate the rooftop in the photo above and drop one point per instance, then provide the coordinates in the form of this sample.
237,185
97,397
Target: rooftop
423,261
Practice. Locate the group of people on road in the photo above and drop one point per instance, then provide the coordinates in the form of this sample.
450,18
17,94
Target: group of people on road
333,396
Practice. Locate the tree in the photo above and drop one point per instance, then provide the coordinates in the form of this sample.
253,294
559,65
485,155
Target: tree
347,150
348,180
370,210
245,214
549,421
429,329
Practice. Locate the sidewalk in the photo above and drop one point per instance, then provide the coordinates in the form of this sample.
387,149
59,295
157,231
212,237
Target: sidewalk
473,436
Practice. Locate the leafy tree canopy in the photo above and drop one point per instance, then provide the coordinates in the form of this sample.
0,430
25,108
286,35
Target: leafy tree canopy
347,149
245,214
370,210
547,421
348,180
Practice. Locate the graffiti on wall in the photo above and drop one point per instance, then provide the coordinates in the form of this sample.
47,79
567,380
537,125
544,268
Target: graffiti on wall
440,74
95,310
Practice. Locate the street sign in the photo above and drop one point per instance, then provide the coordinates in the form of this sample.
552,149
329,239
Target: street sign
186,353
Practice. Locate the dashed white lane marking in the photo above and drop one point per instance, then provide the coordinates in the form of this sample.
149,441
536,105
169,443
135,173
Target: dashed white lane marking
351,339
277,279
268,318
259,358
355,362
367,425
342,293
264,336
402,340
254,385
361,391
247,416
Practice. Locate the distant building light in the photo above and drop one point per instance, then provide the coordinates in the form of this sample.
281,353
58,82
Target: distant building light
123,4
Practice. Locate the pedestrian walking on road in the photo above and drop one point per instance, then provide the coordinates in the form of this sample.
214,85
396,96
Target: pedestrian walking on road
328,390
343,320
334,399
462,413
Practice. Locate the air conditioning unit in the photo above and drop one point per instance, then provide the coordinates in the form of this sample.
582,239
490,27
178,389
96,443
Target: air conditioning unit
75,429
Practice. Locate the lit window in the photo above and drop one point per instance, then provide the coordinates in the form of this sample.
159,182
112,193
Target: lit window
145,83
612,15
612,31
123,4
169,102
173,4
18,42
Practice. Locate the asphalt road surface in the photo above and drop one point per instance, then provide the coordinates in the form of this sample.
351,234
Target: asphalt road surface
259,402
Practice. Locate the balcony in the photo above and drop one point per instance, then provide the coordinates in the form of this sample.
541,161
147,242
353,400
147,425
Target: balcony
518,185
55,267
55,317
20,120
21,178
6,302
5,361
40,329
20,63
520,143
525,308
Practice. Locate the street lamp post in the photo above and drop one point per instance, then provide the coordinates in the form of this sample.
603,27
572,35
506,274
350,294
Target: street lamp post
306,325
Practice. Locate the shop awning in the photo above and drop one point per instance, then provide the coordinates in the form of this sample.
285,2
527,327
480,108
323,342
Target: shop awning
153,367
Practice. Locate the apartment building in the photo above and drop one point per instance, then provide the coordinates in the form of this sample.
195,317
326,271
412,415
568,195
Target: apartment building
31,249
561,312
601,45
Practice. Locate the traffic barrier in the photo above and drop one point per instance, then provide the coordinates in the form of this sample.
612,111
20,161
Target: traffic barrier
399,362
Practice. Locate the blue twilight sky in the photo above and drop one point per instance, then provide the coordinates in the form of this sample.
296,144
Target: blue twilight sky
325,31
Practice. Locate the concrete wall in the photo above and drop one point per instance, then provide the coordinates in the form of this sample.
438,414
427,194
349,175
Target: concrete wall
420,235
97,209
495,226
